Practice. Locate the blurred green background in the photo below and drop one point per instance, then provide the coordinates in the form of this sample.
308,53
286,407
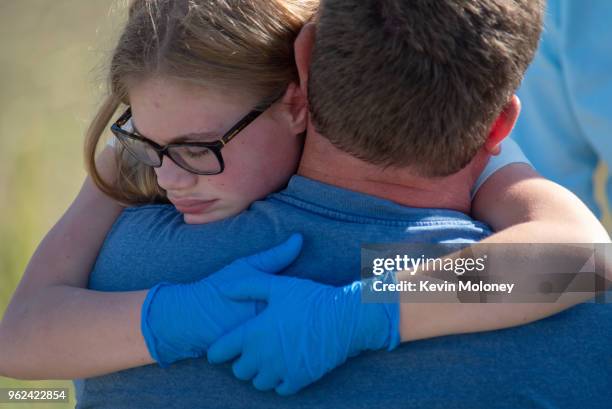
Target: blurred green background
52,74
52,70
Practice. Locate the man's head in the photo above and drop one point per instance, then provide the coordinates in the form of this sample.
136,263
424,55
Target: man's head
420,83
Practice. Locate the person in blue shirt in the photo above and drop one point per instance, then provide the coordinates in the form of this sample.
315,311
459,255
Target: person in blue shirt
340,199
566,125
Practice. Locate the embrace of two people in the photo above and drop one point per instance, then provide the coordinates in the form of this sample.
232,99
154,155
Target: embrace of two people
393,115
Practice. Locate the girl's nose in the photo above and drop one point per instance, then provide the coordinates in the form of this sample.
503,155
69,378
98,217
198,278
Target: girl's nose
171,177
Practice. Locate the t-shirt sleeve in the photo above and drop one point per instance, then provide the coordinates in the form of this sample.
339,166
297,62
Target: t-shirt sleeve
510,153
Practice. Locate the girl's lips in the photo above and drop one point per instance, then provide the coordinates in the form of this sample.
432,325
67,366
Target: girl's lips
192,206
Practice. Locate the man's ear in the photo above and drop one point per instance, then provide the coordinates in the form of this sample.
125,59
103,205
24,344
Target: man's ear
304,43
295,108
503,125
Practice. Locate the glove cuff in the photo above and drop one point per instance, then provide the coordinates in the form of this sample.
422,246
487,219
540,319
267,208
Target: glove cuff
377,323
392,310
151,340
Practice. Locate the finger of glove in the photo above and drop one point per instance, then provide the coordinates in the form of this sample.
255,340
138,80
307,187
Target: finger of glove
228,346
287,388
266,380
250,287
278,257
245,367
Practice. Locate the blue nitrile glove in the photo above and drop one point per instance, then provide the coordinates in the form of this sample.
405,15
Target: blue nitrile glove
306,330
180,321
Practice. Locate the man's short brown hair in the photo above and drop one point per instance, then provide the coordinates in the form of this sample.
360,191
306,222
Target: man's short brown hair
418,82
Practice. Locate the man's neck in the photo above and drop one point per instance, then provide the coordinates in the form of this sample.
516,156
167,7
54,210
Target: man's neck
325,163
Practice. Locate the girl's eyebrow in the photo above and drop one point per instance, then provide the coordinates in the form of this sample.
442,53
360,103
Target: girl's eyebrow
182,138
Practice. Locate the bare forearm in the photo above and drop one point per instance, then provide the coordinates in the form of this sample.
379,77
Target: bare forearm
513,264
525,209
422,321
66,332
54,327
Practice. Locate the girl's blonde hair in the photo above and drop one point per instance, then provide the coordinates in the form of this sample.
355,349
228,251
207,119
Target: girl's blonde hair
239,44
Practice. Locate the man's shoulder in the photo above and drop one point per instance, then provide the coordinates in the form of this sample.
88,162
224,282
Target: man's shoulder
311,204
160,220
316,198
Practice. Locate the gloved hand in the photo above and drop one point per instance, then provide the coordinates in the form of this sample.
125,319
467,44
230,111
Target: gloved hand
180,321
306,330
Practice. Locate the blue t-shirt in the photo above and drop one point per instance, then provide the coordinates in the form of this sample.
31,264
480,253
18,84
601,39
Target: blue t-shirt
558,362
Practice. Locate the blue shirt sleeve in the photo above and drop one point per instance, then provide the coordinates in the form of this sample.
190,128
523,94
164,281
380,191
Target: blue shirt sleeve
510,153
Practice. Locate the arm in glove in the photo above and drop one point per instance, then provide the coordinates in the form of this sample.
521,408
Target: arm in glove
306,330
180,321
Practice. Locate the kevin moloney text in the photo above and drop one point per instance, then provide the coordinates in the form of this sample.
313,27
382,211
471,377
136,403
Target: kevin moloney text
429,286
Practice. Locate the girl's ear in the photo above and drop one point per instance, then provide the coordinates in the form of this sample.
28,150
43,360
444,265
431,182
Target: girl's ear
295,108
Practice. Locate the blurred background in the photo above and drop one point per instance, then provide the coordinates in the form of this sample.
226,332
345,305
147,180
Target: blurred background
51,80
52,71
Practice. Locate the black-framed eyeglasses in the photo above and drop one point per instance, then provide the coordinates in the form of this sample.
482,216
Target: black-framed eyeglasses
201,158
